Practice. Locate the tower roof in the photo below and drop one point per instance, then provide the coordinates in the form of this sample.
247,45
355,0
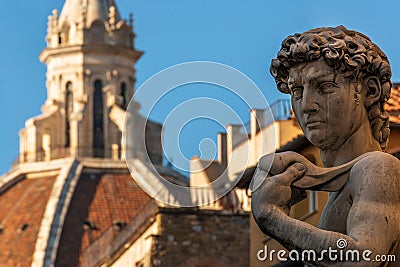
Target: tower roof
88,10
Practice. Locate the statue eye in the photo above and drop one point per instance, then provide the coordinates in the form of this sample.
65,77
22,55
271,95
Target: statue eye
327,87
297,92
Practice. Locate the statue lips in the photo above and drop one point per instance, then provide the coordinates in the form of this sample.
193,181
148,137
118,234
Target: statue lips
313,123
315,178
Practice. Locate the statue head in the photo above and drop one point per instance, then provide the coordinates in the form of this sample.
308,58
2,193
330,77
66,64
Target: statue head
345,57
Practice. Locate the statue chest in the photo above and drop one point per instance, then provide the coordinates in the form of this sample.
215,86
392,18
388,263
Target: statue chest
335,213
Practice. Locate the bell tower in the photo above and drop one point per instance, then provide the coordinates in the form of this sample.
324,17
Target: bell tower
90,58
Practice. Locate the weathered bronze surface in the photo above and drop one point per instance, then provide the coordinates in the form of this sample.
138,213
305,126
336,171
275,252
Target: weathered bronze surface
339,82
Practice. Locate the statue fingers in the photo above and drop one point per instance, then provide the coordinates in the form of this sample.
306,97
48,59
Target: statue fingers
297,196
290,175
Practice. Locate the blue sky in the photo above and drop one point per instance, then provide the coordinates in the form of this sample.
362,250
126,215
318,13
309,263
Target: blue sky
243,34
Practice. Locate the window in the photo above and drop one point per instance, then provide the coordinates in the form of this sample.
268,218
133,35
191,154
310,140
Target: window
312,195
98,120
68,110
123,92
313,201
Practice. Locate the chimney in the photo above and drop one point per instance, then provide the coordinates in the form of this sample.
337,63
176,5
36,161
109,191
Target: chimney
257,121
222,148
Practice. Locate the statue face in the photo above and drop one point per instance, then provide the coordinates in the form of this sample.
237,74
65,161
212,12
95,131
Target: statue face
325,103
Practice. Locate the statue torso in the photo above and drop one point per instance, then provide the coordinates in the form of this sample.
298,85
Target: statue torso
335,213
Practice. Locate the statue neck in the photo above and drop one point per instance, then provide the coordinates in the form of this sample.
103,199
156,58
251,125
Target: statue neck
359,142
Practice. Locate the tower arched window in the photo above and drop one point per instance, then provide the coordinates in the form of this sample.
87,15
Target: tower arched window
123,92
69,98
98,120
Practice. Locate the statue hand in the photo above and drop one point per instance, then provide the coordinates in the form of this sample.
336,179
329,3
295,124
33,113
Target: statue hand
276,191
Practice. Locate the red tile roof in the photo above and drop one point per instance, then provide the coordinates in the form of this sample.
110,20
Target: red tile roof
99,202
21,212
393,104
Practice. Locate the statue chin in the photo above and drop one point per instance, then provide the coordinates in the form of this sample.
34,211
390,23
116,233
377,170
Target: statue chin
318,139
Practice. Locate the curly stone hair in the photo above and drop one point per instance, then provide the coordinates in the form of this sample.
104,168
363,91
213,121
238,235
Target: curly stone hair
348,52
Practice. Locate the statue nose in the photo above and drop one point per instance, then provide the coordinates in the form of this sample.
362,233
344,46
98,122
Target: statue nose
309,103
311,109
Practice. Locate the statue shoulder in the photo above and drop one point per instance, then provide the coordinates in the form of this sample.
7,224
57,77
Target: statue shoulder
378,159
374,171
